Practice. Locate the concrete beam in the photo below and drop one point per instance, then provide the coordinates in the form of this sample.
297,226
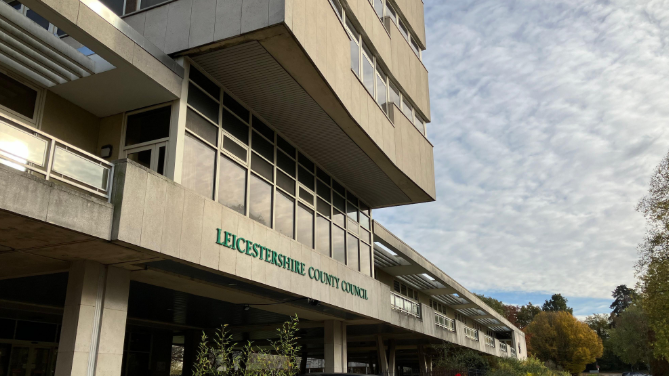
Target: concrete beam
396,271
482,317
464,306
441,291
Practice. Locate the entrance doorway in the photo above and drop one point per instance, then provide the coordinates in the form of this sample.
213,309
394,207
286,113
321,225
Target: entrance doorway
30,360
150,156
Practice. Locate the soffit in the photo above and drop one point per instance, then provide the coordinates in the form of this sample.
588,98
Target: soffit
253,75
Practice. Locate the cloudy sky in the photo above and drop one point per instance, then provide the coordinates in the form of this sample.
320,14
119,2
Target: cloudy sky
548,118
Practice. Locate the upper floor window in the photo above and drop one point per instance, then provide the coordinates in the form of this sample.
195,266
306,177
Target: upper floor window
405,290
31,14
18,98
146,135
460,317
441,308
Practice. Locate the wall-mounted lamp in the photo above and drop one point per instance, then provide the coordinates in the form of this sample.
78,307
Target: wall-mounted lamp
106,151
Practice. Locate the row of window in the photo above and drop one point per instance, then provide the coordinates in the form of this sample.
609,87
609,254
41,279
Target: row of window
232,156
437,306
379,85
384,9
405,290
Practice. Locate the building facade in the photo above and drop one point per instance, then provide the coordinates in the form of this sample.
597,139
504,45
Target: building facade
167,167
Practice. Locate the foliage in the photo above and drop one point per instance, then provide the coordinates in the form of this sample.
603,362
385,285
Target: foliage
629,339
622,298
452,357
511,314
224,357
655,304
561,338
600,323
557,303
526,314
493,303
514,367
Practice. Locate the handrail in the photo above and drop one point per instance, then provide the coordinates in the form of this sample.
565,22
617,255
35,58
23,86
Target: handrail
28,149
471,333
503,346
444,322
404,305
489,341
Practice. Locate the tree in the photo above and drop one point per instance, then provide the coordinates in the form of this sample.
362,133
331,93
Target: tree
622,298
493,303
655,303
511,314
561,338
526,314
599,322
629,339
557,303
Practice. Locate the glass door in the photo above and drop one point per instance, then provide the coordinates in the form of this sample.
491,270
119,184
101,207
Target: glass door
150,156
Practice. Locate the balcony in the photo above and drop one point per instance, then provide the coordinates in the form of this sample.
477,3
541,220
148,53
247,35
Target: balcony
489,341
30,150
404,305
513,352
471,333
503,347
442,321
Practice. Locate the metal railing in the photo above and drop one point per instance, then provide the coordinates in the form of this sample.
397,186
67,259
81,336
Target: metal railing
444,322
503,346
28,149
405,305
471,333
489,341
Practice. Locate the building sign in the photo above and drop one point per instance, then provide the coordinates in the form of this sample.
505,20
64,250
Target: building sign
279,260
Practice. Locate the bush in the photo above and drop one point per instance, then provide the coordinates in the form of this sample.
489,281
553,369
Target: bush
514,367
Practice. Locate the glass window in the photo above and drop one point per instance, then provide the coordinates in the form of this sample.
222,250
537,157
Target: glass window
378,7
232,185
306,196
234,148
368,74
355,57
285,163
395,95
43,22
305,225
195,75
200,126
235,127
323,208
339,202
338,244
142,157
260,201
285,209
365,259
285,182
419,124
306,178
146,126
198,166
323,190
390,12
381,92
352,226
203,103
337,7
304,161
338,188
339,218
366,236
364,221
352,249
262,167
323,176
285,146
115,6
414,46
236,107
407,109
323,235
263,147
263,129
352,211
403,29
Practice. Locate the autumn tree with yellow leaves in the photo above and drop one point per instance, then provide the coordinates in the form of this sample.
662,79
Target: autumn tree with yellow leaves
561,338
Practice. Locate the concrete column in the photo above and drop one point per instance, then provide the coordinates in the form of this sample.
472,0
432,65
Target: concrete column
381,351
93,330
422,360
391,357
336,359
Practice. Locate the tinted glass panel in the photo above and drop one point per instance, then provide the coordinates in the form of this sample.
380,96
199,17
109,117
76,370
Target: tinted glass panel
366,236
235,107
7,328
115,6
352,226
306,178
355,57
285,146
323,235
142,157
260,202
161,160
352,198
285,208
285,182
339,218
339,202
338,244
35,331
323,176
285,163
263,129
378,7
381,94
306,196
323,190
352,211
365,259
195,75
263,147
198,166
234,148
352,248
323,208
203,103
338,188
43,22
305,225
235,127
201,127
368,74
304,161
148,126
262,167
232,185
364,221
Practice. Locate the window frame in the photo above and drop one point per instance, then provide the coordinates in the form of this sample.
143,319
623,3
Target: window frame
35,121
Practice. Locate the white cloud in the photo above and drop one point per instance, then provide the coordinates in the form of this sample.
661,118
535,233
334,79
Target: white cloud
548,118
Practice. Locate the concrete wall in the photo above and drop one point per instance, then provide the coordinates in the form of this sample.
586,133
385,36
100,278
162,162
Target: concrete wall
414,12
70,123
111,128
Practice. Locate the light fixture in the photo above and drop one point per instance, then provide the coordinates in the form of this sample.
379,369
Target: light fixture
106,151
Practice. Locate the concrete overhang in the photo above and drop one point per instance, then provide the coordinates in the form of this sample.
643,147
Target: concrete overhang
270,71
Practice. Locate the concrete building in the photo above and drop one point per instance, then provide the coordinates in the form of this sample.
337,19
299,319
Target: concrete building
167,167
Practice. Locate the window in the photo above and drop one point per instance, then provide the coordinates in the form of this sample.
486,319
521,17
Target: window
378,8
352,256
323,236
198,166
367,70
365,259
381,90
260,207
285,212
405,290
232,185
407,109
17,97
337,7
339,244
390,12
305,225
460,317
146,136
419,124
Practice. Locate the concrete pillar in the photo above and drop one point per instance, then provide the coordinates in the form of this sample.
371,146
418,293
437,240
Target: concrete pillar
422,360
383,360
391,357
93,330
336,359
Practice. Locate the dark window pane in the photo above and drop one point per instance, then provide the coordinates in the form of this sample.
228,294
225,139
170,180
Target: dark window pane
306,162
17,96
285,208
323,176
148,126
323,208
338,188
263,147
285,146
352,211
115,6
235,127
352,255
306,196
140,342
285,182
338,244
195,75
131,6
260,202
14,4
339,218
7,328
161,160
43,22
323,235
232,185
365,259
285,163
201,127
262,167
306,178
150,3
235,107
142,157
339,202
198,166
263,129
234,148
352,199
305,226
364,208
203,103
323,190
35,331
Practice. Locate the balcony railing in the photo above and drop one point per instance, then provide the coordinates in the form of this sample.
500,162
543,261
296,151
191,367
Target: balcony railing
503,347
471,333
489,341
513,351
28,149
444,322
405,305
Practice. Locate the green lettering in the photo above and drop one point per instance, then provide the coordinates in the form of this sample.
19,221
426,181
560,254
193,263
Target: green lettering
301,268
274,261
249,249
240,248
218,236
311,269
257,248
234,241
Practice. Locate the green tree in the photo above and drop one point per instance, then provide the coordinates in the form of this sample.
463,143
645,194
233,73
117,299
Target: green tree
526,314
655,304
557,303
629,339
493,303
561,338
622,298
600,323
